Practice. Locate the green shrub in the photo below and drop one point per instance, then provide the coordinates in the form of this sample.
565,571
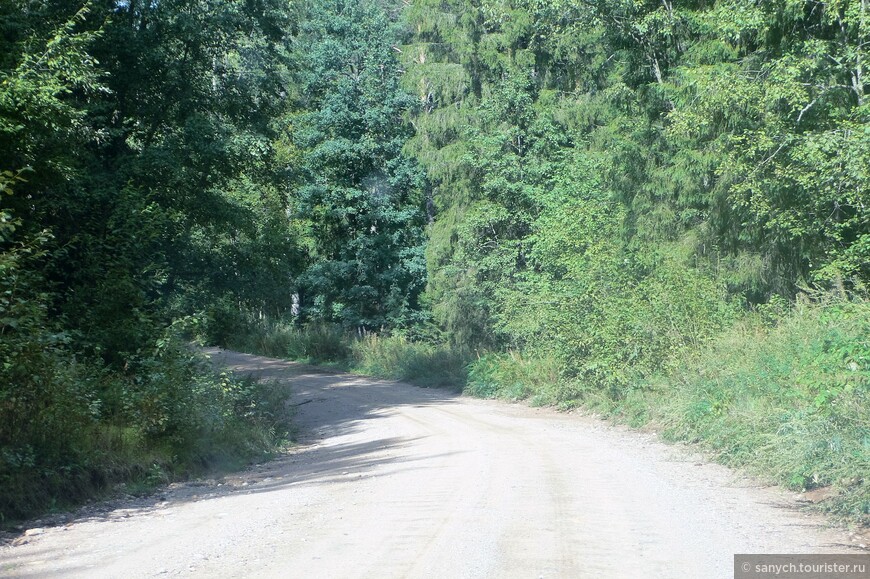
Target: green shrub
222,320
610,319
784,393
320,343
790,401
421,363
314,343
512,376
71,428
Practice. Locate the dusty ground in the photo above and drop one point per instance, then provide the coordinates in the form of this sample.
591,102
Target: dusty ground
397,481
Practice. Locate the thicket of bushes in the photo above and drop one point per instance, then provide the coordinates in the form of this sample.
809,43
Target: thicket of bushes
71,429
787,397
78,416
72,426
137,189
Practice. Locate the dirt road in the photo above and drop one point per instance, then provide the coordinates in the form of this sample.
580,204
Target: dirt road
397,481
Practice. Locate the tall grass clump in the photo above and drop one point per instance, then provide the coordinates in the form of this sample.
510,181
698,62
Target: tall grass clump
397,358
311,343
512,376
786,396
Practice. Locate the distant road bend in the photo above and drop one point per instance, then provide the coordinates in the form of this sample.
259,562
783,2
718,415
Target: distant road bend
393,480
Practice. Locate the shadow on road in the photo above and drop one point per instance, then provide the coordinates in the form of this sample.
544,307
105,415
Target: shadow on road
328,404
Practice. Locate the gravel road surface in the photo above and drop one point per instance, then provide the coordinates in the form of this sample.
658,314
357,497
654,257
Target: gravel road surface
391,480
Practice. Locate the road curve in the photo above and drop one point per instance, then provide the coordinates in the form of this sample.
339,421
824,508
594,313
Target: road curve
393,480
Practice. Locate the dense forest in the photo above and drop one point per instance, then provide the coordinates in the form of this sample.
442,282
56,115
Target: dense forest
656,210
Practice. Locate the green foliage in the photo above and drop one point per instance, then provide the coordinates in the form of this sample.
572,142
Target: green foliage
71,429
421,363
512,376
317,343
360,196
394,357
46,66
731,131
789,401
148,131
312,343
608,313
151,189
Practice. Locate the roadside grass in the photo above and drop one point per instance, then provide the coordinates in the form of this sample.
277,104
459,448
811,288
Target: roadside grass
512,376
391,357
788,400
311,344
783,393
397,358
91,431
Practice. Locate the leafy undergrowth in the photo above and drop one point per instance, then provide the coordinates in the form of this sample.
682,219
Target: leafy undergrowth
397,358
71,430
789,401
391,357
312,344
512,376
784,394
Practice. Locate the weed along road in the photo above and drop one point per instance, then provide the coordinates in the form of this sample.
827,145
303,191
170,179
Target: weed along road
391,480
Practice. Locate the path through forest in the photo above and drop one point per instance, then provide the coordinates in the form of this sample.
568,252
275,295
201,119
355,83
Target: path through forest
393,480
